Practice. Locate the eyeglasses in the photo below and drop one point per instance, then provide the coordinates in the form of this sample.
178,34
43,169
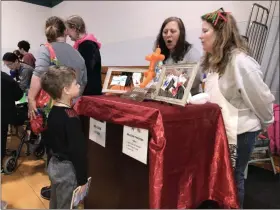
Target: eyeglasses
9,64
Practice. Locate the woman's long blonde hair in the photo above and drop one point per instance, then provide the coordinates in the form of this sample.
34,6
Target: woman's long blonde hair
227,39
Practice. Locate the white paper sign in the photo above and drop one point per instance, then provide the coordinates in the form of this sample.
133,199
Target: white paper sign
135,143
97,131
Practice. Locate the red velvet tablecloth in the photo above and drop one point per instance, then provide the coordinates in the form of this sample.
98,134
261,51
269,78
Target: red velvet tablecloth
188,151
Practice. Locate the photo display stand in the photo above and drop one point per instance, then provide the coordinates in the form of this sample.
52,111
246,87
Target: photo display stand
117,79
175,83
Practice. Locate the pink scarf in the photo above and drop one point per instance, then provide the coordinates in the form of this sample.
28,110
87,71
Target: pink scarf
90,37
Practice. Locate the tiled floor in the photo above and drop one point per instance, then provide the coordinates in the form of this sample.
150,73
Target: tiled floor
21,190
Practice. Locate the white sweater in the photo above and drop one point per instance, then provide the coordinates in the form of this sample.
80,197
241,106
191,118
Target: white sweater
243,86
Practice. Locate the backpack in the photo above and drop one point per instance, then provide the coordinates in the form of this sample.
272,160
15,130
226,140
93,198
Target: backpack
274,131
44,102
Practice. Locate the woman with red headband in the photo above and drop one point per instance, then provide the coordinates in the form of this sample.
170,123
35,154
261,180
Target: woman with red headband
234,81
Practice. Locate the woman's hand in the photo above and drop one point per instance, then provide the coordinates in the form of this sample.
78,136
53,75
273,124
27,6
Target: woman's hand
32,109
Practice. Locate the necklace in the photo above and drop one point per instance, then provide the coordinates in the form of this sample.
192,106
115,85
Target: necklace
64,104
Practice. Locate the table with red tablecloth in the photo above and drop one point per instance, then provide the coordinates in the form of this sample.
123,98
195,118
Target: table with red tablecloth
188,155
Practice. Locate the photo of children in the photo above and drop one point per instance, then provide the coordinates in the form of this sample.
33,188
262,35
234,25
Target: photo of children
175,82
122,80
125,80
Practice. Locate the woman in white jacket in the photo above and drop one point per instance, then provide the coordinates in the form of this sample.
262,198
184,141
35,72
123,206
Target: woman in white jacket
234,81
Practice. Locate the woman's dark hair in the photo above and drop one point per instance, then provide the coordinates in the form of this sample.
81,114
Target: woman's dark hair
18,54
55,28
182,45
11,57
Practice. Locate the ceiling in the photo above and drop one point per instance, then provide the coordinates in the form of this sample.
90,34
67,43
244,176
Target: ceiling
46,3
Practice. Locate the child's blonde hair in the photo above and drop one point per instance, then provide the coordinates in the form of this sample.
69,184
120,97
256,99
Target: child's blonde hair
57,78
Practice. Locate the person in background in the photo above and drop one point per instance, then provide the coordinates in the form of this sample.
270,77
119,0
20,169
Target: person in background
14,74
19,55
235,82
28,58
10,93
172,42
67,167
55,31
89,48
21,71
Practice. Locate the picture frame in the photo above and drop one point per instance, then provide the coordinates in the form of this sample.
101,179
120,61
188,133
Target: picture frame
116,72
175,83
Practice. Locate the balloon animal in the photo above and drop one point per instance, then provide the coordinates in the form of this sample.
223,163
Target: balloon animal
150,73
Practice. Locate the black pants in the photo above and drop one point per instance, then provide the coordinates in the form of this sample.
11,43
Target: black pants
85,125
4,134
43,144
48,151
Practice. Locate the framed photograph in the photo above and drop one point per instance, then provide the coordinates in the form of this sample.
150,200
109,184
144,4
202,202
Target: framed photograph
120,80
175,83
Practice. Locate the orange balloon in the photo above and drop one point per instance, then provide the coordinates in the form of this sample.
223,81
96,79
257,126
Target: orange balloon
150,73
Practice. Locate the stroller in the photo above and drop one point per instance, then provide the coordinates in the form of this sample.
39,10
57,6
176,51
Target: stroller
27,137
